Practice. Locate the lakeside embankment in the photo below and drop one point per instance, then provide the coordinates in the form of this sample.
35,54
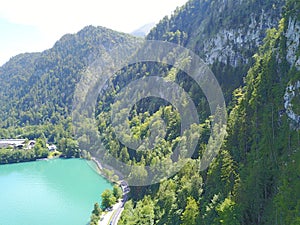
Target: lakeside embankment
112,216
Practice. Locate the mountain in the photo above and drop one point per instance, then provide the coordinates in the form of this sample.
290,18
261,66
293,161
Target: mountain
224,33
263,138
255,179
38,88
143,31
253,48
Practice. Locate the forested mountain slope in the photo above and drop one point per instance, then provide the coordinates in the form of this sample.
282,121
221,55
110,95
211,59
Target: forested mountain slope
37,88
224,33
263,136
256,177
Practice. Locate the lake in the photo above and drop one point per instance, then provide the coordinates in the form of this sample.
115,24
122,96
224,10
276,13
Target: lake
49,192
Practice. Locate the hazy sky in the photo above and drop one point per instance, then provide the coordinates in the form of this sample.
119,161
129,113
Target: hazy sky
35,25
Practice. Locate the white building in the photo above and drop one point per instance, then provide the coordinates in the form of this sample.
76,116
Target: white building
52,147
17,143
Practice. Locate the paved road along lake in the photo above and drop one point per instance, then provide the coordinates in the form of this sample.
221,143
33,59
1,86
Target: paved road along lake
52,192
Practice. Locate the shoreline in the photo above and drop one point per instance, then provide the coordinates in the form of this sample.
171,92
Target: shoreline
34,159
101,170
111,217
97,163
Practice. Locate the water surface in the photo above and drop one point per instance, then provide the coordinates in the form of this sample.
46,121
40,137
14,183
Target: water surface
53,192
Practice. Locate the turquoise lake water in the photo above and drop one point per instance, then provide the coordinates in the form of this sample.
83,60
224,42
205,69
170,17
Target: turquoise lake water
53,192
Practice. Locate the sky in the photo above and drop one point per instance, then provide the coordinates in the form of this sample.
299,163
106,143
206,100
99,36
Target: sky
35,25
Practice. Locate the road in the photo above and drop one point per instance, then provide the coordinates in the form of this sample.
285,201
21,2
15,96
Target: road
118,211
113,216
117,214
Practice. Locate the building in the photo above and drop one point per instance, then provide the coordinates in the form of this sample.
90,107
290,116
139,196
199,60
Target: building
13,143
17,143
30,144
52,147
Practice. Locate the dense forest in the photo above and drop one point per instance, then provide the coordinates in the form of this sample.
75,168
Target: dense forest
252,47
37,88
255,179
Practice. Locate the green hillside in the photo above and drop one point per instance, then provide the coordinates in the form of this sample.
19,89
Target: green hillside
225,34
255,178
253,48
38,88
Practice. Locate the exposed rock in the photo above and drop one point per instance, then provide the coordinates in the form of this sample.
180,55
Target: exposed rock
293,45
290,93
293,40
227,45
